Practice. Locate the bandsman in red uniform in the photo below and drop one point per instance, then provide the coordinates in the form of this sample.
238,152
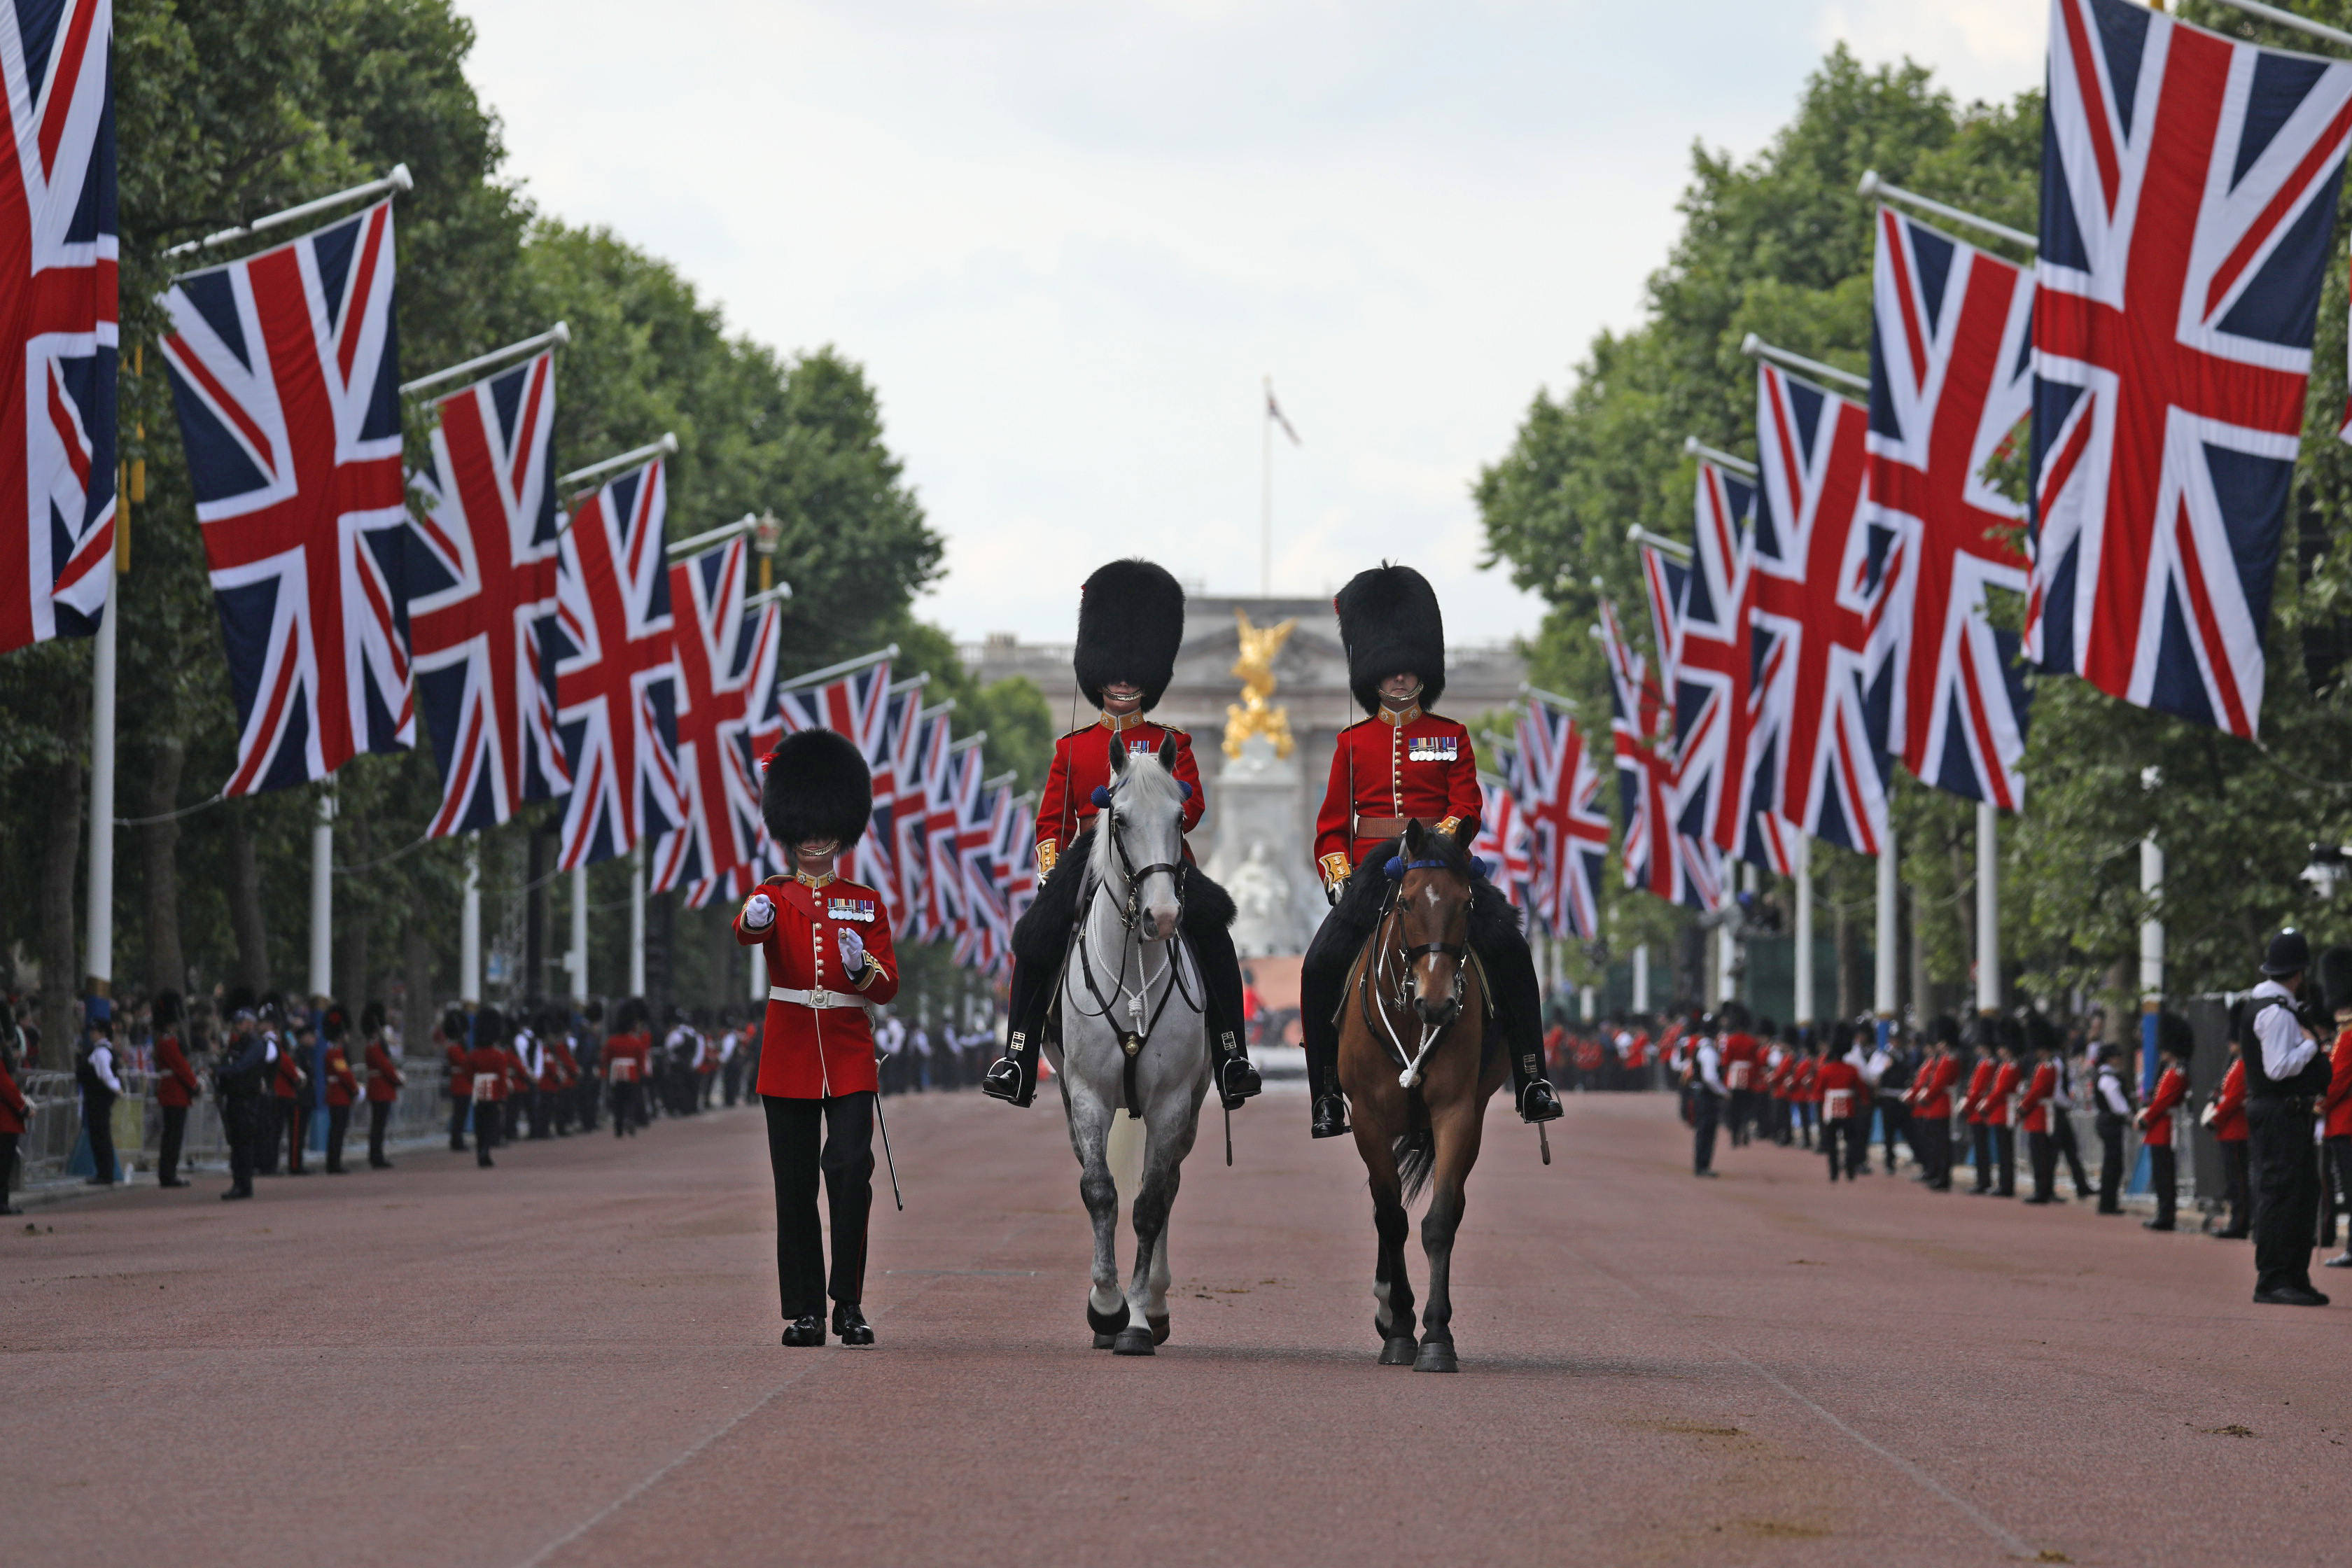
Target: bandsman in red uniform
1931,1104
384,1082
1403,762
488,1073
1130,624
627,1050
829,954
2227,1117
286,1081
1972,1111
457,1031
342,1087
1743,1072
2176,1042
175,1088
2336,1104
2035,1110
2006,1078
1845,1106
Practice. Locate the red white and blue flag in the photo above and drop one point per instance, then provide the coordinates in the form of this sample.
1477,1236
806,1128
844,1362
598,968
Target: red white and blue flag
285,374
875,860
616,671
2188,194
1719,756
851,700
1559,786
1657,856
922,783
1017,865
481,605
1503,840
726,655
1950,381
988,932
1818,581
60,321
954,793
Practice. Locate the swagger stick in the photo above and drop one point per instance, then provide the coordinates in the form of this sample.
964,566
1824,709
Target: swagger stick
887,1161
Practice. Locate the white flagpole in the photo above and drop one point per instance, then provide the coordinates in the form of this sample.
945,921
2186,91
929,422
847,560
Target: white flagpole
469,927
1802,854
1988,909
1642,978
637,921
100,921
1266,495
1874,188
579,965
1890,873
646,453
1755,347
322,897
558,334
398,179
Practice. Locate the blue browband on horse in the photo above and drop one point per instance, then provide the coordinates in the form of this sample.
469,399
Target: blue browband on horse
1397,865
1102,793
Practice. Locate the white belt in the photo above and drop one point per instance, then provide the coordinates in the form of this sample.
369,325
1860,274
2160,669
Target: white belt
820,997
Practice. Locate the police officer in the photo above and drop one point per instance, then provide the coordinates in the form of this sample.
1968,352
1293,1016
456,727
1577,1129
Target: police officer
2111,1105
1707,1094
240,1084
100,1090
2286,1072
830,957
1402,764
1130,624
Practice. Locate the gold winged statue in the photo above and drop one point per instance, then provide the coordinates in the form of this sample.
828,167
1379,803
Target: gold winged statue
1254,715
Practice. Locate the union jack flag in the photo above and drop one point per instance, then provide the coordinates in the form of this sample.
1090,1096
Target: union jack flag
954,789
285,374
1658,857
1665,582
58,213
1950,381
1720,754
855,704
987,932
1503,840
616,671
875,860
922,770
2189,192
1559,789
725,655
1017,865
1819,580
481,605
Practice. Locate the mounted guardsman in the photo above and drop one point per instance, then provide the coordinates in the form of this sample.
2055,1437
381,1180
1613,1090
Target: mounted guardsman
1131,623
1404,763
830,958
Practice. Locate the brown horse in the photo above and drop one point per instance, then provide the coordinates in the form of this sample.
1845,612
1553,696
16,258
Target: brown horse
1417,1068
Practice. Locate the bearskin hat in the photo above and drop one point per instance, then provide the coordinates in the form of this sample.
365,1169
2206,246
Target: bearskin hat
2174,1036
454,1025
1131,623
2041,1033
817,787
371,1018
334,1024
489,1028
1390,625
167,1008
2335,978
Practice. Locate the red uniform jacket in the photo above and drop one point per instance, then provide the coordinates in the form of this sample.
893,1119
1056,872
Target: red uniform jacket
12,1104
175,1081
1972,1106
2034,1110
517,1080
1806,1081
341,1086
288,1084
2337,1105
553,1054
1932,1094
1740,1065
567,1066
1423,767
2004,1084
2230,1105
1082,765
624,1057
2156,1120
821,1053
486,1068
1842,1090
384,1079
461,1071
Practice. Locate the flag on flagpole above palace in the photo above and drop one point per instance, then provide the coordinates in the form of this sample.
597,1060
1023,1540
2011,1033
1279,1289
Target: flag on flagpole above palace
59,227
285,371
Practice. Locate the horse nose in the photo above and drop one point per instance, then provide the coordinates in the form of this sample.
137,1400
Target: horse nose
1437,1012
1163,923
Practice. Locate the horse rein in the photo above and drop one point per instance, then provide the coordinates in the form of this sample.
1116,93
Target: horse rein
1378,970
1128,914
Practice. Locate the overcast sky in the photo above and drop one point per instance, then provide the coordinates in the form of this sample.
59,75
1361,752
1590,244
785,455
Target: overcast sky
1066,239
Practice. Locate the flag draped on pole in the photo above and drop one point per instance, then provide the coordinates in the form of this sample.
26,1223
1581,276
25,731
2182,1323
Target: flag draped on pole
725,655
481,606
875,860
616,671
922,767
1503,840
1950,381
1559,788
1819,582
1658,858
1016,866
976,855
286,375
1721,757
952,784
2189,192
60,321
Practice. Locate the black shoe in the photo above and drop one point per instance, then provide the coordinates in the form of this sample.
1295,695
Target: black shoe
98,1181
1538,1104
485,1164
849,1324
2156,1224
1330,1115
1237,1081
7,1210
1008,1080
379,1164
172,1183
456,1145
806,1332
2290,1296
1709,1175
2039,1200
2106,1209
235,1192
2341,1260
2241,1236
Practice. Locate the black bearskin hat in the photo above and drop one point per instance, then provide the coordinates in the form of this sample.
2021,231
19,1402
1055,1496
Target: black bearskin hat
2335,978
2041,1033
1390,625
489,1028
167,1008
817,787
371,1016
335,1023
2174,1038
1131,623
454,1025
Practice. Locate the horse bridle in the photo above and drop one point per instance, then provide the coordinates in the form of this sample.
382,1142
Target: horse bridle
1379,1021
1131,1039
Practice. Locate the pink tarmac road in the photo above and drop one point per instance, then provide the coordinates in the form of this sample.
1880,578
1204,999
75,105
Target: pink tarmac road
573,1359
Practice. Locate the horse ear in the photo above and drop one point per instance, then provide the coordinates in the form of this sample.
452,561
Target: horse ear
1413,838
1167,753
1118,757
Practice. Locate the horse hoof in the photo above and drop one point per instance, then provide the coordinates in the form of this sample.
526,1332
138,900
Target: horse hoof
1104,1323
1159,1329
1131,1341
1104,1342
1398,1351
1436,1356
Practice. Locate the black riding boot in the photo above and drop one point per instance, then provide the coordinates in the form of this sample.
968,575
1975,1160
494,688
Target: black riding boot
1013,1077
1518,1011
1221,975
1322,977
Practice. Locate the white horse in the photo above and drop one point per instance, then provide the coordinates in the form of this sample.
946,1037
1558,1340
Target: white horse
1132,1040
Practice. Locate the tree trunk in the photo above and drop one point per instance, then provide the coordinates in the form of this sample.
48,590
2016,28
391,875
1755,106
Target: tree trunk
245,918
61,857
167,968
418,1005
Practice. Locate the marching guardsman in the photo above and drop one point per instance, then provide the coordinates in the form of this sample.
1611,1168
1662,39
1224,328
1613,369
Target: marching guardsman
176,1089
341,1086
456,1034
1401,763
1931,1104
2177,1043
385,1080
2035,1108
1130,624
488,1068
1972,1111
830,958
2227,1117
2006,1078
627,1050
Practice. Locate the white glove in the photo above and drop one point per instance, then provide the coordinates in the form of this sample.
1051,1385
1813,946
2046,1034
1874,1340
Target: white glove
760,913
853,950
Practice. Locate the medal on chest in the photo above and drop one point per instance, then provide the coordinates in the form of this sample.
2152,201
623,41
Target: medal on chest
1433,749
857,911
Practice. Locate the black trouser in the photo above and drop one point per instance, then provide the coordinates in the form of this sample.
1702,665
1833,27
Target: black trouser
339,1125
245,1123
625,1108
731,1077
2335,1158
2041,1154
538,1111
2233,1185
2062,1132
2286,1190
290,1120
590,1091
1981,1149
2164,1180
97,1122
175,1135
487,1117
1894,1122
2004,1153
7,1166
1706,1107
558,1110
846,1163
459,1107
379,1119
1931,1141
1743,1116
1855,1132
2111,1162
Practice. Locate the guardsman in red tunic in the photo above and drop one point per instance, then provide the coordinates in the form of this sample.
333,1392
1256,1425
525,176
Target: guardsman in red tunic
455,1031
2034,1112
1972,1111
13,1114
2227,1116
489,1069
385,1080
2176,1042
2006,1078
2336,1126
1130,624
175,1087
830,958
1743,1072
1931,1104
343,1087
627,1050
1845,1107
1403,762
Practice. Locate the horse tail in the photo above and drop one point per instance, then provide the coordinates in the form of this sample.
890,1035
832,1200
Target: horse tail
1415,1154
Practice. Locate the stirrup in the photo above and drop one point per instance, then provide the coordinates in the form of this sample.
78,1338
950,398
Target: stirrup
1538,1104
1329,1118
1237,1080
1007,1079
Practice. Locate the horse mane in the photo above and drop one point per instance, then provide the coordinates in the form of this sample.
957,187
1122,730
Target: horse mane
1446,849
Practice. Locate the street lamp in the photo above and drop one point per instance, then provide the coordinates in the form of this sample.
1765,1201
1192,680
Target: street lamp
766,530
